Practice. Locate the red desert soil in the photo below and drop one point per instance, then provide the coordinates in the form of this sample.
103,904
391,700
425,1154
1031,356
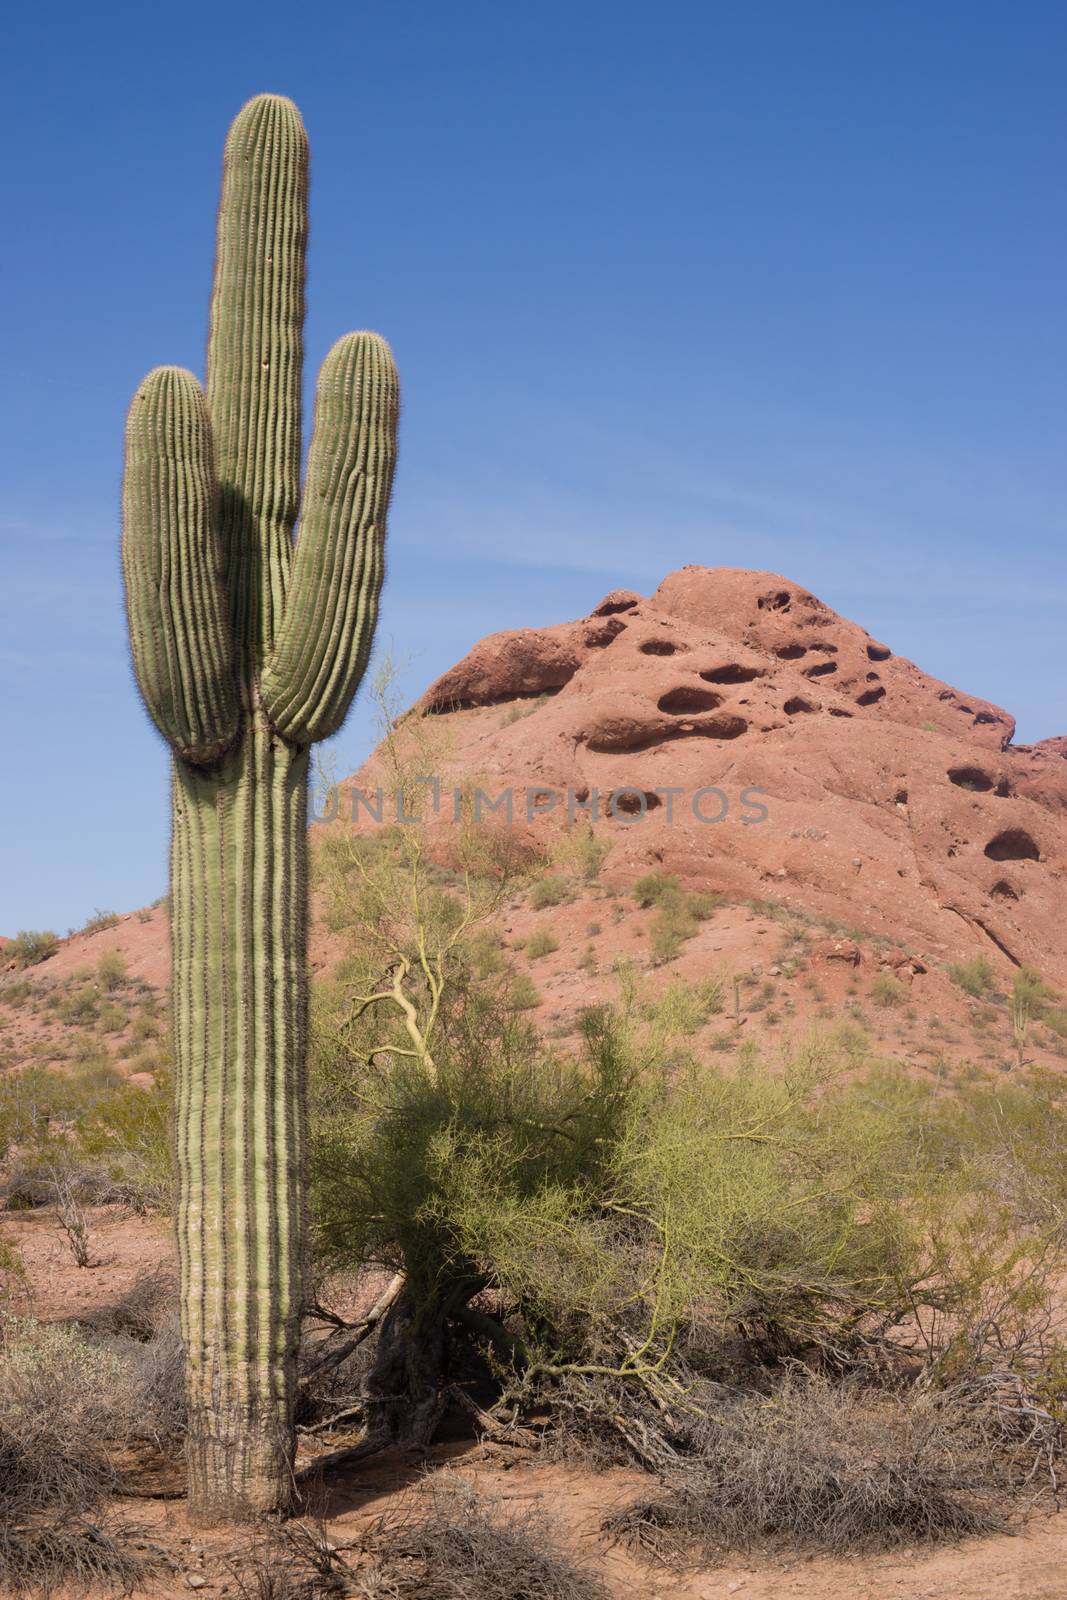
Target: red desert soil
1028,1566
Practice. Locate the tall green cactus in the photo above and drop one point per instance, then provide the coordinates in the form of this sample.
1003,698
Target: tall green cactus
248,648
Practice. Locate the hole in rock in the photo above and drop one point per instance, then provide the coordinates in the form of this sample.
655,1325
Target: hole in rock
1002,890
972,778
825,649
658,647
901,797
820,669
442,708
628,802
640,736
1013,844
599,637
732,672
870,697
716,728
839,711
872,677
797,704
791,652
984,716
878,652
689,698
777,600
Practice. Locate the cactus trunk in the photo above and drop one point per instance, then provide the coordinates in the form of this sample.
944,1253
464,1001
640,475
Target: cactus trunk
247,650
239,853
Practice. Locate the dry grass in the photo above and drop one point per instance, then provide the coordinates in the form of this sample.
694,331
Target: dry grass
461,1546
821,1467
62,1402
449,1544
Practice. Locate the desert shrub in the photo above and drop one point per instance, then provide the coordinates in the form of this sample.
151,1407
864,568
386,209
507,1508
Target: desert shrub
487,953
1055,1019
582,850
63,1403
975,978
16,993
1029,1002
78,1007
106,1140
611,1225
654,887
679,912
454,1544
145,1027
111,971
12,1275
111,1018
549,891
887,991
100,921
683,1008
28,948
819,1466
444,1542
523,994
140,1329
541,943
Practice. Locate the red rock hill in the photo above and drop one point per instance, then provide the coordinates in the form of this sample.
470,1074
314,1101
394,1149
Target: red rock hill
894,802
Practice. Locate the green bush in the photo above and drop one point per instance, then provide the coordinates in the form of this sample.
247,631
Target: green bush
654,887
522,993
27,949
78,1007
16,993
106,1137
887,991
614,1228
550,891
111,1018
679,912
975,978
111,971
683,1008
145,1027
99,921
582,850
541,943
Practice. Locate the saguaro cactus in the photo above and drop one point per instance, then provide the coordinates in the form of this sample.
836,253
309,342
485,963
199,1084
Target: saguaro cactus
247,648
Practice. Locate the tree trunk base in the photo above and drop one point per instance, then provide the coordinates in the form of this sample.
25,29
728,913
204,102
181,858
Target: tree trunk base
406,1387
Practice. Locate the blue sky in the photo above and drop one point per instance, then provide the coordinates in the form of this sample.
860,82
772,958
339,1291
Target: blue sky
752,284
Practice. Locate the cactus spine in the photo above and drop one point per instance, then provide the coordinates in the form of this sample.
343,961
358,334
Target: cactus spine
247,649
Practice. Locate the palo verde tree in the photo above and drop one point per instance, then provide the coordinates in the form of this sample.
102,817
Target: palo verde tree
248,648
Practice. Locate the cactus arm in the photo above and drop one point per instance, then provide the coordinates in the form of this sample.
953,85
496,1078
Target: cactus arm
175,598
321,651
255,354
